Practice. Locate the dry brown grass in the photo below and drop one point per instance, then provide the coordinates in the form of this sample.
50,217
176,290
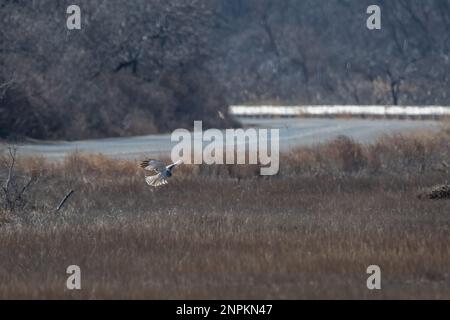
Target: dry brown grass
224,232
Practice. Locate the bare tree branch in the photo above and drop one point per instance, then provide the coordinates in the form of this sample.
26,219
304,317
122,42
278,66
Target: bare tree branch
12,154
25,187
63,201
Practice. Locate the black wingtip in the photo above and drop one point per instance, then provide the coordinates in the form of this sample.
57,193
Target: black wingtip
144,164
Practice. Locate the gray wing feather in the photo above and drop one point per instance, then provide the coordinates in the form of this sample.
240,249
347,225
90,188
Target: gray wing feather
153,165
156,180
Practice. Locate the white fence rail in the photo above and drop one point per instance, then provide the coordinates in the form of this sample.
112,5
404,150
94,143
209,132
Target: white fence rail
298,111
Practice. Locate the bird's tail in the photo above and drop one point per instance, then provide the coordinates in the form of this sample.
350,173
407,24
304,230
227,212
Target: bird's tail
175,164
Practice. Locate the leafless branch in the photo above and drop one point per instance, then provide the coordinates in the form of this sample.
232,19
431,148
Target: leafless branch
25,187
5,187
5,86
63,201
12,154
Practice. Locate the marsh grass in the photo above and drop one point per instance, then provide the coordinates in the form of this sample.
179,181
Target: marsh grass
226,232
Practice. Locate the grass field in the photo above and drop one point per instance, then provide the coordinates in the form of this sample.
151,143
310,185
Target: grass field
225,232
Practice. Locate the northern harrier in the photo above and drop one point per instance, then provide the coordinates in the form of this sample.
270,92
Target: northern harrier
162,171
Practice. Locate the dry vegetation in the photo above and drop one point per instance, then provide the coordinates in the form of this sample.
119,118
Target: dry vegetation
145,66
224,232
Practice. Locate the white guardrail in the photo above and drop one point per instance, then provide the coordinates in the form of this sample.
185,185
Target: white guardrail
298,111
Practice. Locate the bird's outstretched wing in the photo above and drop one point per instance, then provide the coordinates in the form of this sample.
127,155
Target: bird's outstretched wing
173,165
153,165
156,180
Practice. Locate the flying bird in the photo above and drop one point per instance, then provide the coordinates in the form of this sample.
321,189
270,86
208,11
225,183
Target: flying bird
162,172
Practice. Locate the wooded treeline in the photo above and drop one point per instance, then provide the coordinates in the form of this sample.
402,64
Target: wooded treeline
147,66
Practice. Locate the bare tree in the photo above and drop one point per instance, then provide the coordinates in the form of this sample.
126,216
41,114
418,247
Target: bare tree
125,71
14,191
